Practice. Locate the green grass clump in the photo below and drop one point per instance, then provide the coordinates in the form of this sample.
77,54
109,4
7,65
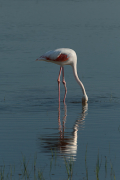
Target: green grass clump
28,170
69,166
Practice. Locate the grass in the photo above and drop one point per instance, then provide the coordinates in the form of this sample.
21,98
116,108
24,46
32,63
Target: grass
86,168
98,165
30,170
69,166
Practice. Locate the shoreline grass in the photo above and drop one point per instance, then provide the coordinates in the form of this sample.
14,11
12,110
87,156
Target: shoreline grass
29,171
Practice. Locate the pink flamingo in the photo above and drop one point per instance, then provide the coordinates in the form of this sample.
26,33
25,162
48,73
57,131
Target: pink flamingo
64,56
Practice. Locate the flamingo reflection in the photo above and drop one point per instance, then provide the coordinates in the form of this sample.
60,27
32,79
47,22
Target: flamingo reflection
65,143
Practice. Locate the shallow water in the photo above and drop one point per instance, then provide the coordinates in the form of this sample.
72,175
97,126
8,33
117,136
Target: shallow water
31,119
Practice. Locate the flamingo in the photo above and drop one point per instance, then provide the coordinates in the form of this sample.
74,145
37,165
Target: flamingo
64,56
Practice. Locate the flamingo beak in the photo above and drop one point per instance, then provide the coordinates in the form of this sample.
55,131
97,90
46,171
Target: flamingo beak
38,59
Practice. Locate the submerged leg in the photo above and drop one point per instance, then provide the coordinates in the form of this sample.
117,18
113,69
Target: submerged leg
59,84
64,83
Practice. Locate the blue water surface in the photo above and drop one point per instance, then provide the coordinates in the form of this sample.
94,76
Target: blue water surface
32,122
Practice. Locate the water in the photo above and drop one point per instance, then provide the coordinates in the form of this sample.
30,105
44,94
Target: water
31,120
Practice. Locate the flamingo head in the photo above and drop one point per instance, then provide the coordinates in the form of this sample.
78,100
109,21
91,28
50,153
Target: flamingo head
84,99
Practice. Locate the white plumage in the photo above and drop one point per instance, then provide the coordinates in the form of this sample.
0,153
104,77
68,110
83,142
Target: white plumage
64,56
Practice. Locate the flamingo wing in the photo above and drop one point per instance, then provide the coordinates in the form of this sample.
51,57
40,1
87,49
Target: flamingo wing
56,55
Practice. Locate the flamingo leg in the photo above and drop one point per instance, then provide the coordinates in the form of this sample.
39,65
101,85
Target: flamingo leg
58,80
64,83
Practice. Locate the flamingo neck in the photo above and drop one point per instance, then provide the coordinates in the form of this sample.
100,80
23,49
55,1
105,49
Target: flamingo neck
78,80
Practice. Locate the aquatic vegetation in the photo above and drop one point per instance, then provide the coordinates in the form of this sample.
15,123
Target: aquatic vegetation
40,175
69,166
32,170
105,166
86,168
98,165
2,170
25,170
112,173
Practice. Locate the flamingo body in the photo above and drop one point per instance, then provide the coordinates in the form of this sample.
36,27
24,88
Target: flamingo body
64,56
61,56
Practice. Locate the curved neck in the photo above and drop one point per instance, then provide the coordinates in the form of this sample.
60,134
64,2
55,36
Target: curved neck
77,78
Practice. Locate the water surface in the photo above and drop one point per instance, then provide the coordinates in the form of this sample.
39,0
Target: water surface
31,119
